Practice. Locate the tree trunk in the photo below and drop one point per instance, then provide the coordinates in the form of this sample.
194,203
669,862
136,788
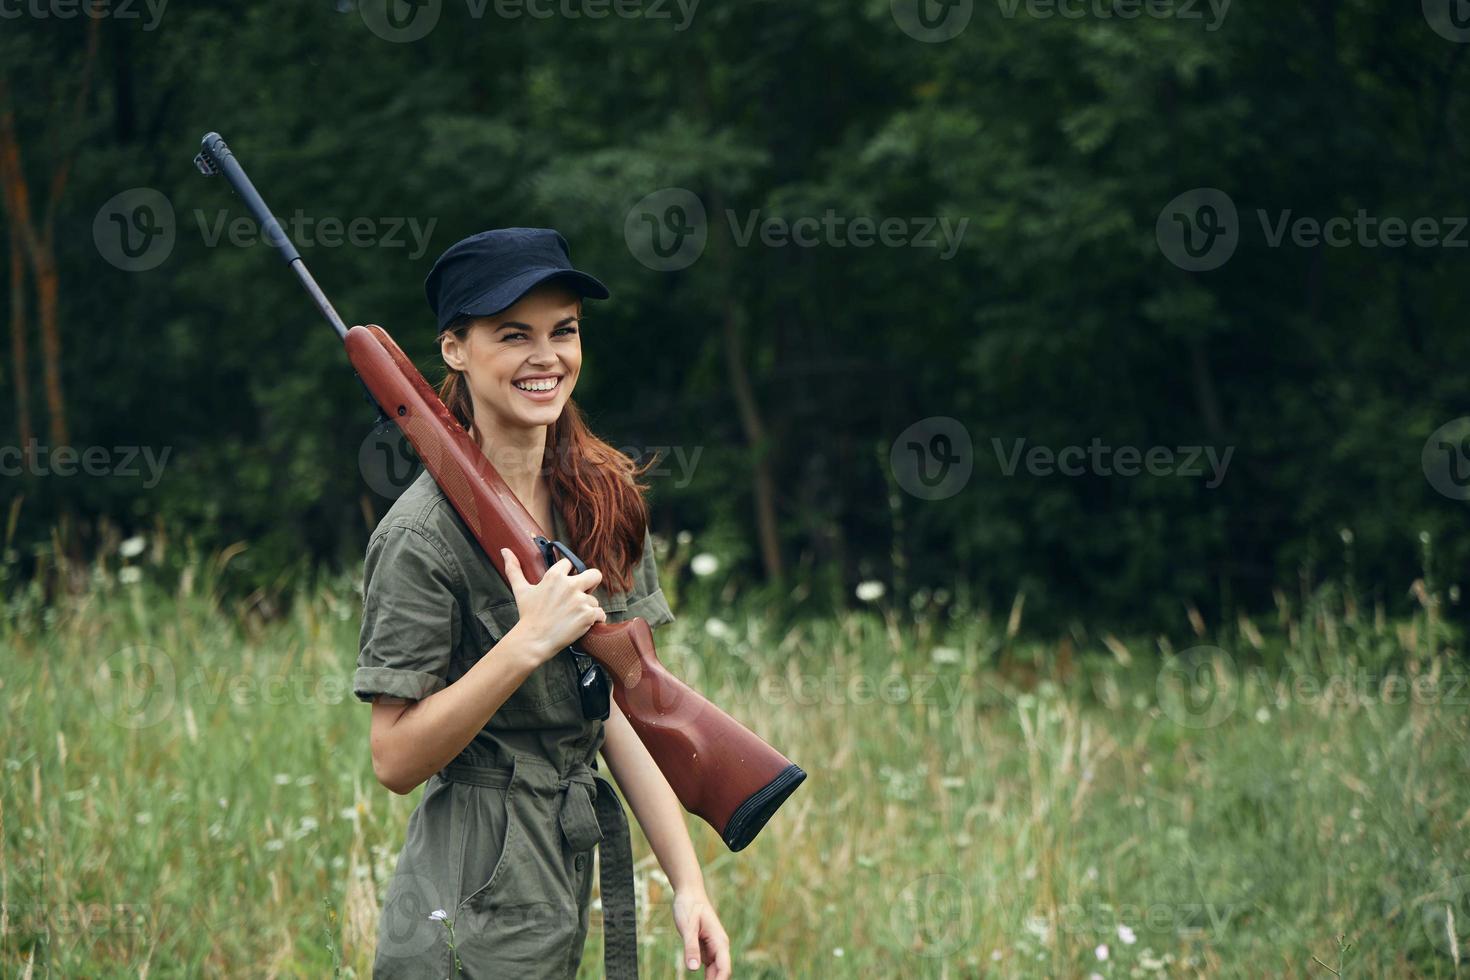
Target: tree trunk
19,353
47,289
764,484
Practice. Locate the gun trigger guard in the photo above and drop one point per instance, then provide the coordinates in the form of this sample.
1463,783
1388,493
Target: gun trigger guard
549,550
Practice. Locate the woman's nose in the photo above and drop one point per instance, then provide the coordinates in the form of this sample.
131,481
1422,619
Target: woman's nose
543,352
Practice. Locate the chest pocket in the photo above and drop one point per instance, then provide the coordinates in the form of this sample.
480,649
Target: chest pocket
550,683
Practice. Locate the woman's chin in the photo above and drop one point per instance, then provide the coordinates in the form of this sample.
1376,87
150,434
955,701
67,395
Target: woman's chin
542,414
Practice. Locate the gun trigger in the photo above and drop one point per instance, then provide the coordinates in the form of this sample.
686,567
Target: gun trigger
550,548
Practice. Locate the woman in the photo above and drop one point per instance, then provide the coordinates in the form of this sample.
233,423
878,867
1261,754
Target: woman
473,687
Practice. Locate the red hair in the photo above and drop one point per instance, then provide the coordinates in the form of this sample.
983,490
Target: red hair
596,485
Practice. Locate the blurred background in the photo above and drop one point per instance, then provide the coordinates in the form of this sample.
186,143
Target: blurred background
1031,343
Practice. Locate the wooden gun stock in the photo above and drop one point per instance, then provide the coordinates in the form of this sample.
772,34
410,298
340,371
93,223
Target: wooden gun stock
721,771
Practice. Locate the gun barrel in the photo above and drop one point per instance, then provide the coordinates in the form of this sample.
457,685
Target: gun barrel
215,157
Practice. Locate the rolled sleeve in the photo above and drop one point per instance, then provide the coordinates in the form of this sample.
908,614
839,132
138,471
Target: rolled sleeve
647,598
410,617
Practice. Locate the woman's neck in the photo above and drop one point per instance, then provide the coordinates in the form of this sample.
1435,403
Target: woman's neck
518,454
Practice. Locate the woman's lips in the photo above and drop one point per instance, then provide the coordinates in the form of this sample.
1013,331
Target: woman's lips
542,394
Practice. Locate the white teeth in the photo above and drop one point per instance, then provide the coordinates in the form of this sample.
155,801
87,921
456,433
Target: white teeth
542,384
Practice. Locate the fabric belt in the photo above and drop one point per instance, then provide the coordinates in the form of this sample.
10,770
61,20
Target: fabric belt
590,815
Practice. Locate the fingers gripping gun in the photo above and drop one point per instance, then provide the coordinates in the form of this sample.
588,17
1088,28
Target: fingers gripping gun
721,771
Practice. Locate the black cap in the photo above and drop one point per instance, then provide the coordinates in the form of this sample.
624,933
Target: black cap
486,273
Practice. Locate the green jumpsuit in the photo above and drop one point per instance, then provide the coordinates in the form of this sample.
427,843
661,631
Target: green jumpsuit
502,839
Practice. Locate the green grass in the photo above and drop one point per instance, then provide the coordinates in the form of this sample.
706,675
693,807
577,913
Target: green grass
187,792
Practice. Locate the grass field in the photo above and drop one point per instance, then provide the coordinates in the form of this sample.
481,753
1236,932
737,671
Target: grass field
187,792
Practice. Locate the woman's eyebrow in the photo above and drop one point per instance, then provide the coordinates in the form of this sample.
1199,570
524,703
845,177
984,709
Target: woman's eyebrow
526,326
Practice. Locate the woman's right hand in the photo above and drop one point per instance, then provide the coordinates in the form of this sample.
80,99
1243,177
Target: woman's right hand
557,610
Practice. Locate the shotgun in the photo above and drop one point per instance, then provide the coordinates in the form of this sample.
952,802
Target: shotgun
720,770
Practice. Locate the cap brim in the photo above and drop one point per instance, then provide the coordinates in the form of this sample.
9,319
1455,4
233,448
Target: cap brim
505,294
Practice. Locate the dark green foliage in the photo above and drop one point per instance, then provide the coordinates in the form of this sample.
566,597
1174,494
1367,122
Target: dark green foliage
1057,321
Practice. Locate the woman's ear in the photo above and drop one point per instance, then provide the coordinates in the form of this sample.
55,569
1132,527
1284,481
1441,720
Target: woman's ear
451,348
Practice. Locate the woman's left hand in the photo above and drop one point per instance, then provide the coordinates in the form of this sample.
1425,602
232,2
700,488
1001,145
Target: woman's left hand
704,937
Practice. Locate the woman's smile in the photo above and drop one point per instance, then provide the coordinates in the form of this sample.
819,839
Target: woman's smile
538,387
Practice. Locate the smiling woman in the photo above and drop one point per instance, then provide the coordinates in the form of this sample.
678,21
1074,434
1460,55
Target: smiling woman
473,683
510,383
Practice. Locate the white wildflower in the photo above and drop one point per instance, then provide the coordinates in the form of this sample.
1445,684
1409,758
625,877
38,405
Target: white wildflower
838,952
944,655
144,818
283,779
717,628
438,915
274,845
704,564
1101,952
132,547
684,538
1262,714
870,591
130,575
1127,936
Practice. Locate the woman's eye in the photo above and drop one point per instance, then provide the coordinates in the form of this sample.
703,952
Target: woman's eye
513,335
565,330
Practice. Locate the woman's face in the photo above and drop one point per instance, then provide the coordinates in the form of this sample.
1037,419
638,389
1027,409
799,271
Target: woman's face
522,363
